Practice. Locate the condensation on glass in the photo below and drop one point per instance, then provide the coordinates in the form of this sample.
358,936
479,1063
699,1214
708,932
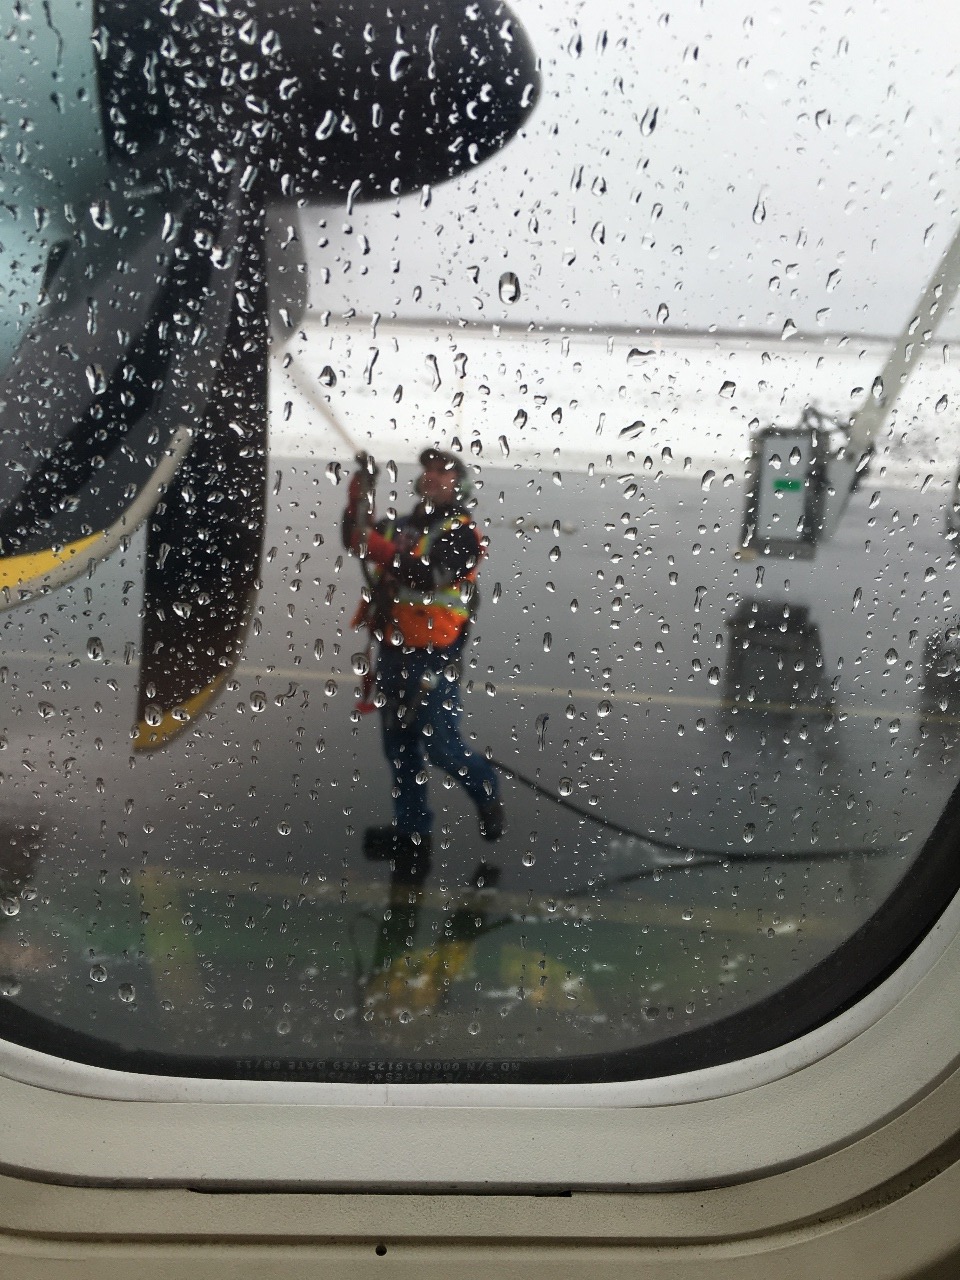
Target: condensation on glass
670,289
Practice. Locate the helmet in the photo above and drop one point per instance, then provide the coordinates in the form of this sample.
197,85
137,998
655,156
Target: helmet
451,462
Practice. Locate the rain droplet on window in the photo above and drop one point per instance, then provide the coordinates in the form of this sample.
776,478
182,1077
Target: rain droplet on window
509,287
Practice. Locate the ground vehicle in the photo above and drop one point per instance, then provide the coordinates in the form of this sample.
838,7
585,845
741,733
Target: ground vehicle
790,1159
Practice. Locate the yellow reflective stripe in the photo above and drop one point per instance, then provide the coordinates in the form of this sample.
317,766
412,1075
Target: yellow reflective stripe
21,571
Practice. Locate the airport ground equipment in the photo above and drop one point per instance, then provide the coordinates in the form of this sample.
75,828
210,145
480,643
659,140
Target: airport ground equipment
775,659
793,503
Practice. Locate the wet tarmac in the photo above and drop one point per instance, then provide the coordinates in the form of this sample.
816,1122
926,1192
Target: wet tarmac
744,802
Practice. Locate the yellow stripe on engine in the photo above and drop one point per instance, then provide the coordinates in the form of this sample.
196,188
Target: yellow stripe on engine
34,566
151,737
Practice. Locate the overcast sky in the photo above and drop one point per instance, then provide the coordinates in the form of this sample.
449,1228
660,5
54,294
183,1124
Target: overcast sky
720,160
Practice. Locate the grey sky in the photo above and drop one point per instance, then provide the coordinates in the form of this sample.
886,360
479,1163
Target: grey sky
838,121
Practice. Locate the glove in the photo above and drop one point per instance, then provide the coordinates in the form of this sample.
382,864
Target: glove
361,487
357,491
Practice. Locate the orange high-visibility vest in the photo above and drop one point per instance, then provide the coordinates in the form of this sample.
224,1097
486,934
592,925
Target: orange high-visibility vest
438,617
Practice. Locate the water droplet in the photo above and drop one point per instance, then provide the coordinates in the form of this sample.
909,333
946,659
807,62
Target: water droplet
759,210
45,710
728,389
713,675
566,786
749,831
599,233
360,664
706,480
541,727
603,709
509,287
547,642
98,973
330,688
100,215
699,593
398,67
96,379
636,356
504,446
663,313
529,858
554,554
795,455
649,121
876,388
327,376
891,657
9,985
326,126
941,404
170,228
94,648
788,330
258,701
474,1028
929,574
126,991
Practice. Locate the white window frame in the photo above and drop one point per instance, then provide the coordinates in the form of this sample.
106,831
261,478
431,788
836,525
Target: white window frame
775,1111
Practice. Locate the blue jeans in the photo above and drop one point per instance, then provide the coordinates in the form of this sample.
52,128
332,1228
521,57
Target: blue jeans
420,722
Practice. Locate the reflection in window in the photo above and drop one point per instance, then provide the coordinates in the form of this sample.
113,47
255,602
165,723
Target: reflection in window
635,754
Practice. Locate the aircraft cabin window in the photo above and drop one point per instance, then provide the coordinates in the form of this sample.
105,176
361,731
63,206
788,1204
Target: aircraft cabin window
477,532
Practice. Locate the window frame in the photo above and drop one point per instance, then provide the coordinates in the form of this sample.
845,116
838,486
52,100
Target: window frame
777,1111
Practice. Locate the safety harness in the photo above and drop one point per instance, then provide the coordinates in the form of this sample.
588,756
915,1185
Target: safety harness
422,619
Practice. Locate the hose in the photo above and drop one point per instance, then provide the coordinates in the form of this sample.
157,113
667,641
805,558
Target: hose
689,855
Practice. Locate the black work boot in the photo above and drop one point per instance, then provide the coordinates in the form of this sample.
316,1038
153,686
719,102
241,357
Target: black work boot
408,853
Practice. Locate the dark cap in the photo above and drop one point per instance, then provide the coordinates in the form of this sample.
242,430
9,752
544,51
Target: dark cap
450,461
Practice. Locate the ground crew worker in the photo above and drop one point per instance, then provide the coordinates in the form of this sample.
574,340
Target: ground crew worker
421,575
